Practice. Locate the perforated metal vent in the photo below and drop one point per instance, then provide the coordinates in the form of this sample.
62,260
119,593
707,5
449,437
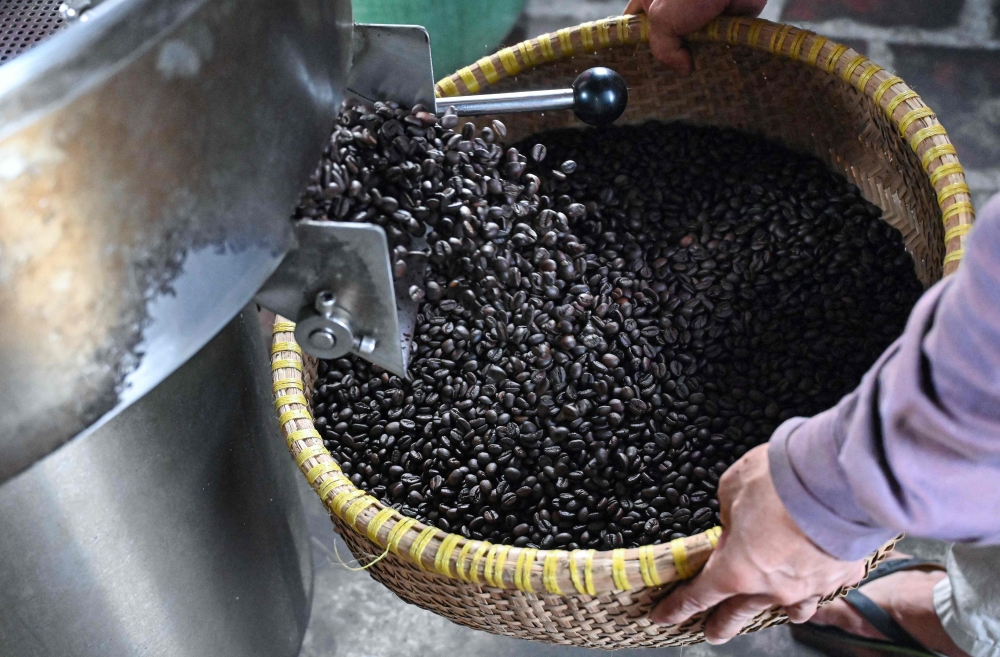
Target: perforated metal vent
23,23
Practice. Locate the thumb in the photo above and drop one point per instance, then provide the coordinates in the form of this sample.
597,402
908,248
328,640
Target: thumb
705,591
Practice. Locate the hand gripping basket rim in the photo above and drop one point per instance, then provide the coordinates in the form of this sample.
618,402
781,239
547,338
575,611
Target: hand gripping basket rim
590,572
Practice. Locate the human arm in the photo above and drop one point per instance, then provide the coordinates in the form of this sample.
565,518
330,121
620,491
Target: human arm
671,20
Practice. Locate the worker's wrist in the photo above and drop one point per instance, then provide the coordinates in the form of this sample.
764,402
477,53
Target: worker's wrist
816,492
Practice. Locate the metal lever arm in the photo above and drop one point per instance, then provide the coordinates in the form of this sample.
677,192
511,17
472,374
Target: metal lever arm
598,97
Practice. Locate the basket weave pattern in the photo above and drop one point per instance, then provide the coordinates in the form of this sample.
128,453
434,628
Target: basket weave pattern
784,83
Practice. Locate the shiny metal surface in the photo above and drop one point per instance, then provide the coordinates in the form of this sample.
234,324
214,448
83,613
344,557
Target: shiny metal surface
392,62
351,262
150,157
175,530
521,101
598,97
25,23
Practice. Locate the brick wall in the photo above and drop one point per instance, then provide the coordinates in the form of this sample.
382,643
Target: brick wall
947,50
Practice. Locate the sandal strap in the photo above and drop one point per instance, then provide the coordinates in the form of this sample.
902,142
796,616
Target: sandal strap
881,620
893,566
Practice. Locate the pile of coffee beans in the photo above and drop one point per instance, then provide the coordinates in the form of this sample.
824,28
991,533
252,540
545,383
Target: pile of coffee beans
609,319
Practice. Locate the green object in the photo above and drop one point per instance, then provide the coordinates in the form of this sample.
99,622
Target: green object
461,31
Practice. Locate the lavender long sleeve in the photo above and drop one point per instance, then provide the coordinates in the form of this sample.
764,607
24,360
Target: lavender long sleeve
916,448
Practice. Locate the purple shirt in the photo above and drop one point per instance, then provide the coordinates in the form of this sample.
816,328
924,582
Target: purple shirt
916,448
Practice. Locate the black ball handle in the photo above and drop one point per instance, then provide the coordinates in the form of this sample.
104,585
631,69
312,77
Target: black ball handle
599,96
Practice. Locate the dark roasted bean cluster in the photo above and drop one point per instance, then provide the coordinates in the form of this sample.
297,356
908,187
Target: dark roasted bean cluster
609,319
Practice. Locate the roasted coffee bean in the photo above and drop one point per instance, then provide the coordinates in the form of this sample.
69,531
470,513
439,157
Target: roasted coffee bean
595,345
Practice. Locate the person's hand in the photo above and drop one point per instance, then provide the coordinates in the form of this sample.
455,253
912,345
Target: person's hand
763,560
669,20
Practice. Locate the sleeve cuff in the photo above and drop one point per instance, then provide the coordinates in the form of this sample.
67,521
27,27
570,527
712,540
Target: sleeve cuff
815,490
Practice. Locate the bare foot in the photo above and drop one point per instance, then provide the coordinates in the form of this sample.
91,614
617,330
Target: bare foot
908,596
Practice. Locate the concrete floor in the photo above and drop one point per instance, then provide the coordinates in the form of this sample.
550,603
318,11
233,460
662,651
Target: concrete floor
355,616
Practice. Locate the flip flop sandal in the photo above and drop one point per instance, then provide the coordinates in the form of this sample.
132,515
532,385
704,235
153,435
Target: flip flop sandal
835,642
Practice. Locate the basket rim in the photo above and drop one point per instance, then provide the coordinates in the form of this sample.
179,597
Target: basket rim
915,122
593,572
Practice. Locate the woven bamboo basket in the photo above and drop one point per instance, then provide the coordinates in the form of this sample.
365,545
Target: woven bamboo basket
787,84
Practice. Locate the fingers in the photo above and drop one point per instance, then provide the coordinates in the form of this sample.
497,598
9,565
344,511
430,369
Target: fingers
704,591
668,49
732,615
635,7
801,612
746,7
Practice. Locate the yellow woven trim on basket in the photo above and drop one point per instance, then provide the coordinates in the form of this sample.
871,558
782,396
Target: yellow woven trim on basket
623,33
899,100
952,190
866,77
442,560
354,509
495,560
343,497
447,88
420,544
509,61
934,153
281,384
949,169
587,36
283,327
294,398
795,51
754,36
713,30
733,31
588,572
489,71
285,346
883,88
469,78
550,570
397,533
481,551
527,53
679,552
604,33
851,66
957,254
565,41
376,523
282,363
460,561
545,45
294,414
301,434
778,39
308,453
713,535
618,573
317,471
957,231
647,566
957,209
574,574
915,115
522,571
643,28
817,46
327,486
